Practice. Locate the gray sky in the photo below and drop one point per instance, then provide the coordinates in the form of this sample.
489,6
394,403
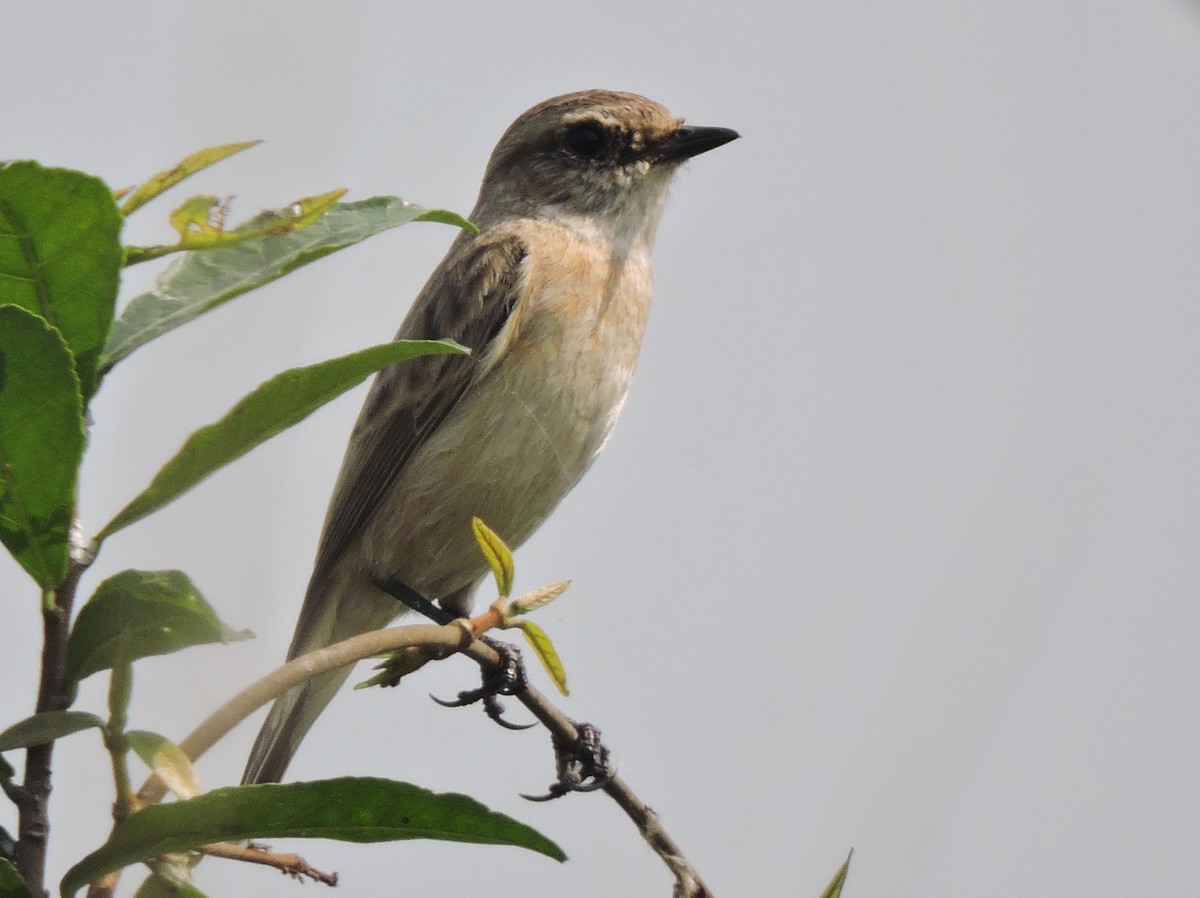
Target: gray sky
895,546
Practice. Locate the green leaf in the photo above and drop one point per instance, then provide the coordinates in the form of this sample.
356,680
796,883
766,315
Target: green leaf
60,255
157,886
834,889
397,665
497,553
276,405
11,883
167,760
443,216
41,444
198,213
165,180
200,221
203,280
135,614
349,809
46,727
547,654
539,598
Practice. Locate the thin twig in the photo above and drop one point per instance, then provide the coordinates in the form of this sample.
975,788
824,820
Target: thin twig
449,637
119,689
687,881
273,685
296,672
291,864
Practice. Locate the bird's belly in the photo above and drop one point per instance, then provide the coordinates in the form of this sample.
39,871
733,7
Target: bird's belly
510,450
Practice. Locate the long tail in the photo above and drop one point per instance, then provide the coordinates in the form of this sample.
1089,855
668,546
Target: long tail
331,612
291,717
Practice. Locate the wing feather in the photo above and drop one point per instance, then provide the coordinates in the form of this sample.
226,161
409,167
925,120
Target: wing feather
468,298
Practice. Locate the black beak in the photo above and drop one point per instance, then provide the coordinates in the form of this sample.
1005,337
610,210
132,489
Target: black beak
690,141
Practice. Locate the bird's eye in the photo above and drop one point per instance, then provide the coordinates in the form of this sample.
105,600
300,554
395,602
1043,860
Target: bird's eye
585,140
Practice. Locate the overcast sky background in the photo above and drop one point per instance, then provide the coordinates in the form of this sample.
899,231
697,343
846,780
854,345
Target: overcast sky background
896,544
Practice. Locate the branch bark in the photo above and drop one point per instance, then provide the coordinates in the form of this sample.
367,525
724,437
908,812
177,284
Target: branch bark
33,833
292,864
687,880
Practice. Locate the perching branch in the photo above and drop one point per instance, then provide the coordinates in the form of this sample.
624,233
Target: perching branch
451,638
296,672
687,881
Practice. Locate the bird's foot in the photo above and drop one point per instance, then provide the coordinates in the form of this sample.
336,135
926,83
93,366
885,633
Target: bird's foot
507,678
406,595
582,765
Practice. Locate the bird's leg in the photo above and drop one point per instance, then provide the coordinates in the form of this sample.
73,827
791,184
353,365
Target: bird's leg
402,592
403,662
507,678
582,764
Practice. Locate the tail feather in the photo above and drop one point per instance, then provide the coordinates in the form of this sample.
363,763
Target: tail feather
333,610
291,717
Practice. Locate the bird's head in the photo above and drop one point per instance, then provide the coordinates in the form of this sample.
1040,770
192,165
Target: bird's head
596,154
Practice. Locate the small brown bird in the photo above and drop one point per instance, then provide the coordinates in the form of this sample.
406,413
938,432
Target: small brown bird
551,296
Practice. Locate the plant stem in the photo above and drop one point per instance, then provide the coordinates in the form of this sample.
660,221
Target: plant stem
33,834
120,686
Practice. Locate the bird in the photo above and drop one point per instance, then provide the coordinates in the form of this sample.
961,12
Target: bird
551,296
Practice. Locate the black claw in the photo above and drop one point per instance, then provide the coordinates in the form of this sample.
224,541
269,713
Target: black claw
508,678
495,710
582,766
460,702
556,791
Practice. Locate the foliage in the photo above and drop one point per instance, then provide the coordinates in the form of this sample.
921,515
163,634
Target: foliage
60,263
